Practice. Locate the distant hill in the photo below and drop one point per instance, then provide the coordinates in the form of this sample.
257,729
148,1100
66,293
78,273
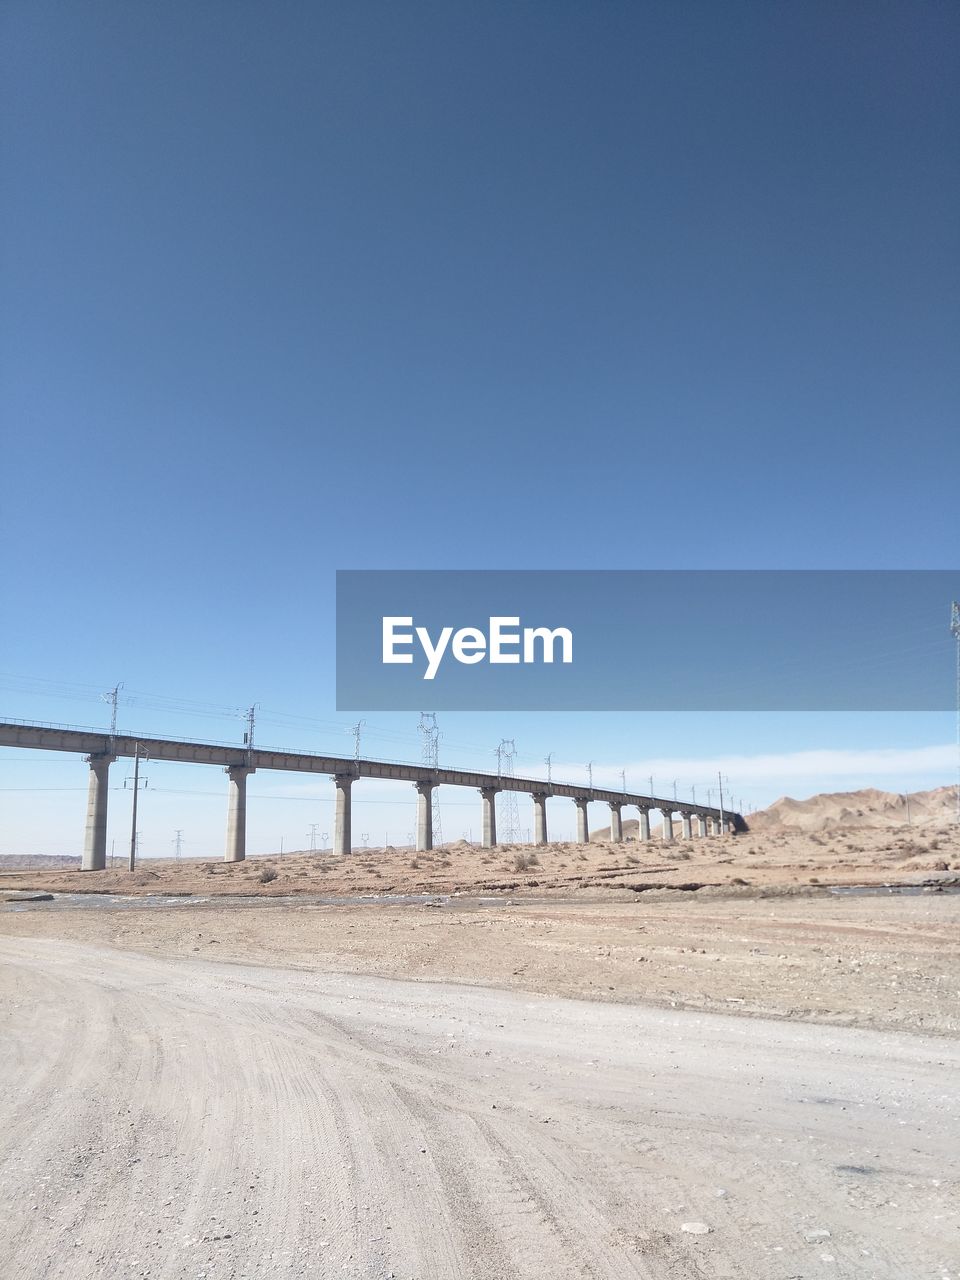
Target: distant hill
36,861
866,808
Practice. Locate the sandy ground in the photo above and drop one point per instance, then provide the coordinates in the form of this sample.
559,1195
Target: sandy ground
757,860
530,1080
182,1117
888,962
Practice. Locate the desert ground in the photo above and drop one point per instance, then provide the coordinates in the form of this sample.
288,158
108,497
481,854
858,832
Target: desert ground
708,1059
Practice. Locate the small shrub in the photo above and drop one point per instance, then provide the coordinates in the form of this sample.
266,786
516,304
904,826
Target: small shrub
521,862
267,874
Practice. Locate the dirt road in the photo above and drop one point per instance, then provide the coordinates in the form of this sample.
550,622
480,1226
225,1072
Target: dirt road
177,1117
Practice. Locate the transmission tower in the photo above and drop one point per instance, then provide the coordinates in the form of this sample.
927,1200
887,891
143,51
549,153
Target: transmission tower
113,697
508,818
430,755
177,842
250,716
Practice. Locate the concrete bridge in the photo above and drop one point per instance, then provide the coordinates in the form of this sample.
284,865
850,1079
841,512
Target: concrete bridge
100,750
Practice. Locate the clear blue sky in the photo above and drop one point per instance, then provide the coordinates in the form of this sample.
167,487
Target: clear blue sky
289,288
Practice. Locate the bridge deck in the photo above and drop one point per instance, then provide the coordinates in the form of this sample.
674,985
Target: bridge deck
40,737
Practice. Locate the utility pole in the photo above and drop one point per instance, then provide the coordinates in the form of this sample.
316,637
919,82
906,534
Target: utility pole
313,836
548,761
590,773
623,781
650,780
138,748
675,790
720,781
693,792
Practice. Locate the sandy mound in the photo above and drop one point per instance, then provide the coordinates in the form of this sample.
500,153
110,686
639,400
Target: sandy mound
866,808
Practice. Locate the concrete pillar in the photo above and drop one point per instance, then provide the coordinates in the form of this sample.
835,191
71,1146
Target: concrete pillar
424,816
616,823
702,822
95,837
342,835
643,831
540,817
583,826
667,824
236,849
687,827
489,816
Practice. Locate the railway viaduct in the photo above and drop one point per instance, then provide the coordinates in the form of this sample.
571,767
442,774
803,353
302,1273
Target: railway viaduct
100,750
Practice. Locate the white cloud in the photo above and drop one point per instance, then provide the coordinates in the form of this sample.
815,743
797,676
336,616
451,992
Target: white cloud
822,766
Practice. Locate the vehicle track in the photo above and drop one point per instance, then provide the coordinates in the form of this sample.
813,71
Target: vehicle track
175,1117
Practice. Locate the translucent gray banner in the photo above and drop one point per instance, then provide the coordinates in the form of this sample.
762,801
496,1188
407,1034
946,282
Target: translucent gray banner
655,640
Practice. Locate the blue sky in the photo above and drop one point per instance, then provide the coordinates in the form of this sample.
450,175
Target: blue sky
295,288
